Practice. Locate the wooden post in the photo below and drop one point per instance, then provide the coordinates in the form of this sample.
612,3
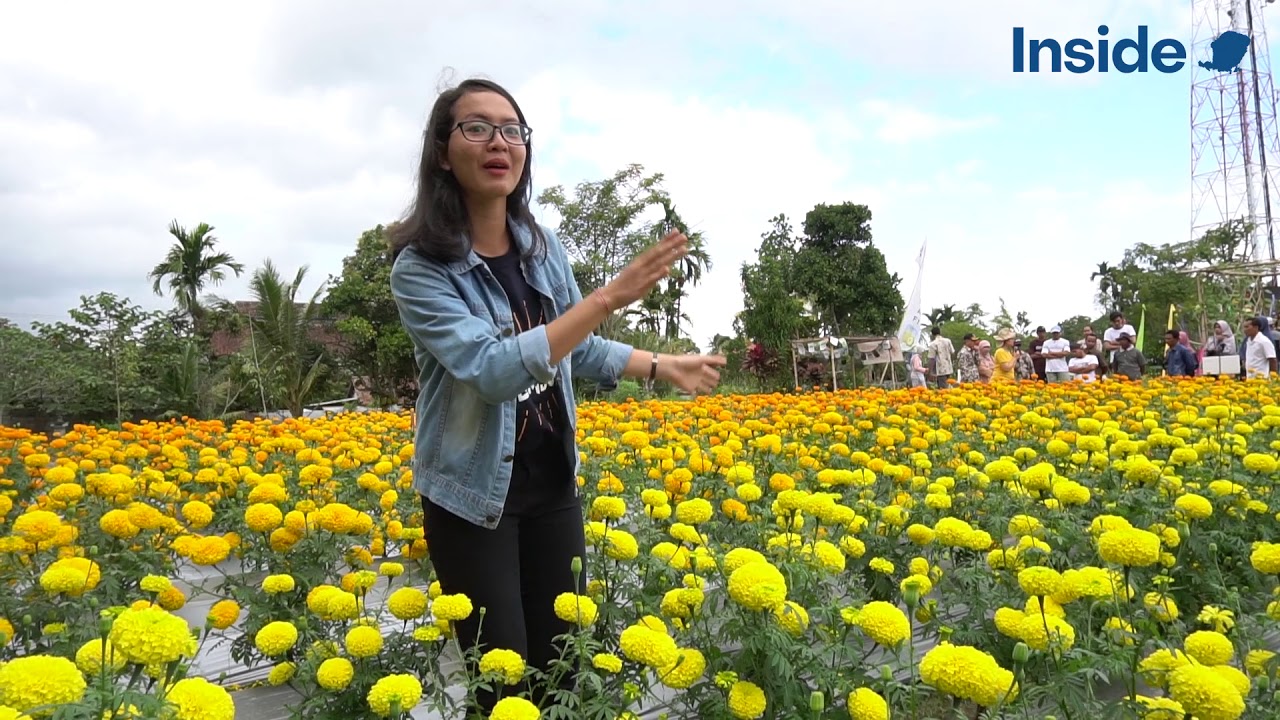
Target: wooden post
795,366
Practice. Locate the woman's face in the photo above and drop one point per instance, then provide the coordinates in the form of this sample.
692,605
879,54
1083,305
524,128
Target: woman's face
486,167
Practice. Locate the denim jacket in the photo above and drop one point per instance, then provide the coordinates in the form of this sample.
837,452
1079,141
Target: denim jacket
472,367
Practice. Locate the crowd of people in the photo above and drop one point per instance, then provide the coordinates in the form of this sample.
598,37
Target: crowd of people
1049,357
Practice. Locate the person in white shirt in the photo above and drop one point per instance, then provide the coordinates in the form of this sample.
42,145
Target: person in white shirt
942,353
1259,351
1084,366
1056,351
1111,336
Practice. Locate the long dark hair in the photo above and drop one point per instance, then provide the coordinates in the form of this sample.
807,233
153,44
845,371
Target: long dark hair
436,224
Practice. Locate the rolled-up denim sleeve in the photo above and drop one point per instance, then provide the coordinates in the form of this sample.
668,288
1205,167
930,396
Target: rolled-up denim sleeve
595,358
437,319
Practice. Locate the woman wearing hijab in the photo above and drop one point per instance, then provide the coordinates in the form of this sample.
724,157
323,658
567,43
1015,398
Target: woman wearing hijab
986,363
1223,341
1185,341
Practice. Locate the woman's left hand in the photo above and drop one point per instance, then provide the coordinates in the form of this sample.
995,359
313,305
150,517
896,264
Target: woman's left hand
693,374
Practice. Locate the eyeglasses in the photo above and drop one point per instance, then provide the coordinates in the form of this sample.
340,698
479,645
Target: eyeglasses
482,131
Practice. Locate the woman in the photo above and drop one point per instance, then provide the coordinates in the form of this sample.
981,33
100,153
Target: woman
500,330
1223,342
1005,361
1024,367
916,377
1184,339
986,364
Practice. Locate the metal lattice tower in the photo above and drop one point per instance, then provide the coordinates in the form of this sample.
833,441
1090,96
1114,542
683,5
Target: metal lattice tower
1235,151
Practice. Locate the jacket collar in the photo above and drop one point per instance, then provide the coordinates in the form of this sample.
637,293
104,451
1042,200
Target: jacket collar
519,234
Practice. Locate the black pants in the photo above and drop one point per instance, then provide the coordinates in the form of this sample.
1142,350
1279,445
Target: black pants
514,571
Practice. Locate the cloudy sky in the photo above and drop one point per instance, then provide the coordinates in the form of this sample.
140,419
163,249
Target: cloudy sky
293,126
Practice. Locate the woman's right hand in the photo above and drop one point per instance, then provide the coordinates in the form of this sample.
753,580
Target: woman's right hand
638,278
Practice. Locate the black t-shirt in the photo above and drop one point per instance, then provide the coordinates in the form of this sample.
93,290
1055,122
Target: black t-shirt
541,417
1038,363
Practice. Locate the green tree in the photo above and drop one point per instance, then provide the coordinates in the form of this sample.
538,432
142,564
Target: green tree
608,222
1157,276
844,275
374,345
291,363
773,314
190,265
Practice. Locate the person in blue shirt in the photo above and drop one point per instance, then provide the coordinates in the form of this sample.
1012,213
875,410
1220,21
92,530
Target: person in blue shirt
500,330
1179,360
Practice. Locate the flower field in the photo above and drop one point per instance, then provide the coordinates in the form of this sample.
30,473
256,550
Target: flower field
1019,551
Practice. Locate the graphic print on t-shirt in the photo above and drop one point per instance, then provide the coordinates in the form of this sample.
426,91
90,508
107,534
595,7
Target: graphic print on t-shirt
535,407
539,409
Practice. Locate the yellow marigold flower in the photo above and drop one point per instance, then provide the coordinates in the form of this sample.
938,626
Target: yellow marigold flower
506,663
277,584
90,656
792,617
694,511
276,638
1039,581
391,569
37,526
1155,668
1209,648
407,603
758,586
968,673
1008,622
607,662
687,669
40,681
577,609
402,690
1130,547
884,623
363,641
1265,558
335,674
514,708
282,673
223,614
1258,661
1161,606
71,576
867,704
648,647
1161,708
151,636
746,700
263,517
210,550
1041,632
1205,694
1195,507
453,608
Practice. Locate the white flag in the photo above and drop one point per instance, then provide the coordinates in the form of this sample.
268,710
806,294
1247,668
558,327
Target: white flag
911,330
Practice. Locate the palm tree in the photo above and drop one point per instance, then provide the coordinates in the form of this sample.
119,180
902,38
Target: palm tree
689,272
1108,287
281,330
191,265
941,316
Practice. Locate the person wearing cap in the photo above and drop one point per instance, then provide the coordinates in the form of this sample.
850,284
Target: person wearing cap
1056,351
1128,361
1111,336
1083,365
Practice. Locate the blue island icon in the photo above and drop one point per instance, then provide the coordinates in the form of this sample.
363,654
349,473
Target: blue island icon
1228,50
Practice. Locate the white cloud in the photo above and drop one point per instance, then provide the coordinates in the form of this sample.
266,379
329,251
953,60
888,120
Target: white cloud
294,126
901,123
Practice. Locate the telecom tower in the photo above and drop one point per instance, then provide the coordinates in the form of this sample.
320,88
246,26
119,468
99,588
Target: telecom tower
1234,146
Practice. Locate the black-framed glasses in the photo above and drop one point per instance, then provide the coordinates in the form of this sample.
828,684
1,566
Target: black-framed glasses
483,131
